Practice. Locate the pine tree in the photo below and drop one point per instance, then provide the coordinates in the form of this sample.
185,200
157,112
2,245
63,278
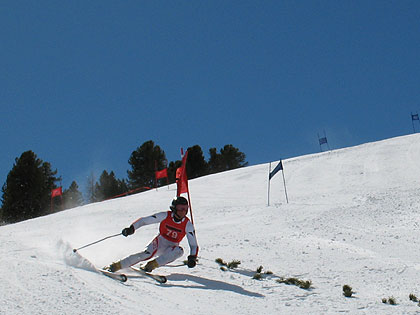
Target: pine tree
122,186
91,196
215,163
109,186
229,158
196,164
72,197
232,158
173,166
143,162
26,193
1,217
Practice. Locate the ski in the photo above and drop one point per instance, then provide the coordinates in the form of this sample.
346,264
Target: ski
158,278
116,276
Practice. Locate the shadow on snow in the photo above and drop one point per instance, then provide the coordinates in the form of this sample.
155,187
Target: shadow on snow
208,284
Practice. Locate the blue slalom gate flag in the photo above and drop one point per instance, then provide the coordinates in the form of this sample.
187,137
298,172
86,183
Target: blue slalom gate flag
279,167
323,140
414,116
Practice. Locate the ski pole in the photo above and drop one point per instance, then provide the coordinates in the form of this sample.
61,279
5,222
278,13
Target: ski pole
105,238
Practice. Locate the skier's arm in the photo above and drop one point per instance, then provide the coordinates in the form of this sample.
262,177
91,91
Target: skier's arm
192,239
155,218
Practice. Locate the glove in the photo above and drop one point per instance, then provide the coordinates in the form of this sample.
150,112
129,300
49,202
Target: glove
192,261
128,231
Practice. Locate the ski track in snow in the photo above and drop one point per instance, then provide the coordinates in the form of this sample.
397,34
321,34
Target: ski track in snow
353,218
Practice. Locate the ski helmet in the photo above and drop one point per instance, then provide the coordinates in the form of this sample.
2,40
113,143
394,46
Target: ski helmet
178,201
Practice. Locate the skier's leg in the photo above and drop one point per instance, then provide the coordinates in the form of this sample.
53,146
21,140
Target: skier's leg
166,253
171,254
148,253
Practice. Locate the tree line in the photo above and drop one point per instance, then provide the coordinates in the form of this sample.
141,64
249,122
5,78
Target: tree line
26,193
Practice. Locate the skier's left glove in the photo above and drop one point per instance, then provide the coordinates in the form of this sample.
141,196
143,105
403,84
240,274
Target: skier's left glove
128,231
192,261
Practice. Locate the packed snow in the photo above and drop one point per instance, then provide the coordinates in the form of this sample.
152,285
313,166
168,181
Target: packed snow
352,219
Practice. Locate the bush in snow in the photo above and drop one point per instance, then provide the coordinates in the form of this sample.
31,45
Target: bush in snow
413,297
303,284
221,262
225,266
258,275
391,300
233,264
347,290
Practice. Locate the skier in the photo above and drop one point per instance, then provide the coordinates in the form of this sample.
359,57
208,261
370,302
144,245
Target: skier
174,225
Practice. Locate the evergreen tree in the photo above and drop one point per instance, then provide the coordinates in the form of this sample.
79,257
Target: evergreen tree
229,158
196,164
109,186
232,158
122,186
215,163
27,191
91,195
143,162
173,166
72,197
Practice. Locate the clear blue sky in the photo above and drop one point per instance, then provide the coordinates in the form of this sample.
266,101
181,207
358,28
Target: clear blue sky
84,83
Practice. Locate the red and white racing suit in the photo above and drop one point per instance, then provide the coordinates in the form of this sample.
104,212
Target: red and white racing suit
166,244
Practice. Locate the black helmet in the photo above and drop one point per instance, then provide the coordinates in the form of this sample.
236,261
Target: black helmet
178,201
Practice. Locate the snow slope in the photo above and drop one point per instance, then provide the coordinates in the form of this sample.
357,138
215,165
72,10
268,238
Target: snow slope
352,218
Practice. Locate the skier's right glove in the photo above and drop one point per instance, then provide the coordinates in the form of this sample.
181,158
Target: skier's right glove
192,261
128,231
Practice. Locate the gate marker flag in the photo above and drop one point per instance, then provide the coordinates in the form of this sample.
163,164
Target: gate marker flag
271,174
161,174
182,182
413,118
279,167
181,175
56,192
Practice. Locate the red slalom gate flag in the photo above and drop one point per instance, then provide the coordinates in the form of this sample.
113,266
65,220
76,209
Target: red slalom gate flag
178,173
181,175
56,192
161,174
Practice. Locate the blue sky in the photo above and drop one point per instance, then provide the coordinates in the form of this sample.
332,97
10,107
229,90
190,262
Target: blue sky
84,83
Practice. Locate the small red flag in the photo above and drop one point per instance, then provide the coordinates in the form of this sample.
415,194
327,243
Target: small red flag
181,176
56,192
178,173
161,174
